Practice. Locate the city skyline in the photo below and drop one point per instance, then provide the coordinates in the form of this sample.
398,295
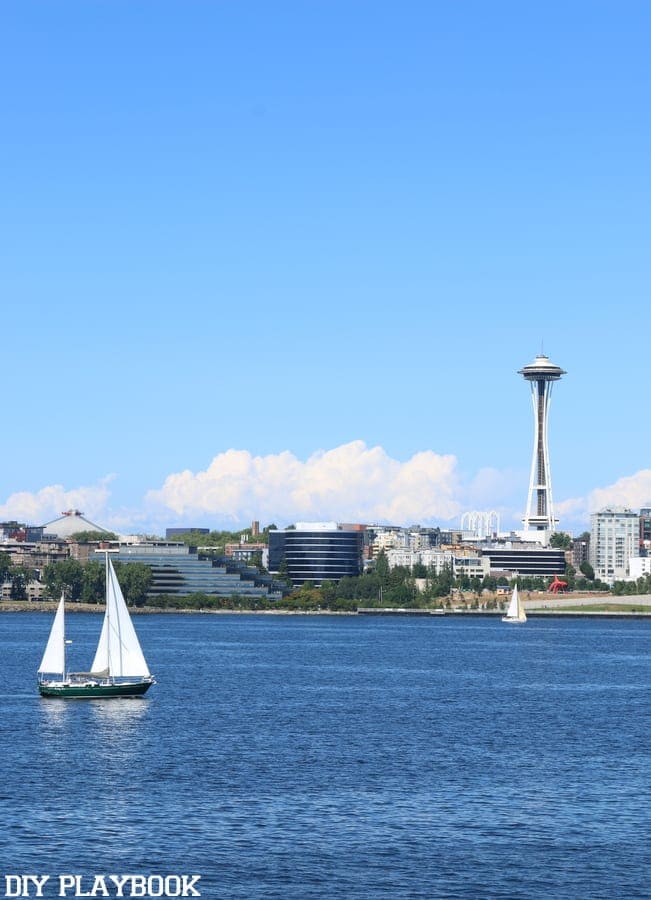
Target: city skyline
285,263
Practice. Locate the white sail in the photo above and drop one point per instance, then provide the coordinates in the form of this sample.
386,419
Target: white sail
515,612
118,651
54,658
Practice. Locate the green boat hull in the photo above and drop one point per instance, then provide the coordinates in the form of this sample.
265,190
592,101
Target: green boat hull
94,691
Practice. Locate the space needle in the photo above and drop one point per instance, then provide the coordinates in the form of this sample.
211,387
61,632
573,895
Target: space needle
541,374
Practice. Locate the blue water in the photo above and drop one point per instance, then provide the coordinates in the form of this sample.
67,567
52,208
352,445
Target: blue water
343,757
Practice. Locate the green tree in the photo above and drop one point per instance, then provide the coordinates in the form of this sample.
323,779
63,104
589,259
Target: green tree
560,539
5,566
381,567
329,594
570,576
445,581
20,578
475,584
93,580
135,580
64,577
283,572
587,570
464,583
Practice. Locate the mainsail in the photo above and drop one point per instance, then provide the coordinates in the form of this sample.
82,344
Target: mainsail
54,658
516,612
118,652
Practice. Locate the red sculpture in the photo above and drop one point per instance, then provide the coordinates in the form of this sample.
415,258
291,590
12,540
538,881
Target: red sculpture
557,585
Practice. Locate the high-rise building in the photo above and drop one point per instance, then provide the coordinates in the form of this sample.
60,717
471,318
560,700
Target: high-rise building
614,541
539,516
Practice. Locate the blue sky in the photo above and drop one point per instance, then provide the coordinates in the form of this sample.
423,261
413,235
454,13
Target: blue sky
283,260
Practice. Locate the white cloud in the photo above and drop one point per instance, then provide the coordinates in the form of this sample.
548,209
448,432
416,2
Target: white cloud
349,483
631,491
50,502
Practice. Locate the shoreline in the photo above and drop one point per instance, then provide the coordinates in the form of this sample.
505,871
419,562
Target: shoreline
545,610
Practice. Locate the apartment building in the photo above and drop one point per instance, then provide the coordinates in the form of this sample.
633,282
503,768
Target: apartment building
614,541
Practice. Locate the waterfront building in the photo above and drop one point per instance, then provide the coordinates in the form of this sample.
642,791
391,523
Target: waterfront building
178,570
614,541
539,516
525,558
409,556
515,556
471,564
316,552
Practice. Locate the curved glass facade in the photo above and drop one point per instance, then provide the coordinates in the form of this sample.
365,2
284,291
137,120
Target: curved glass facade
316,556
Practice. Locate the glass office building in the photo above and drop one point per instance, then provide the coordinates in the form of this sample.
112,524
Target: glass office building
545,562
177,570
315,552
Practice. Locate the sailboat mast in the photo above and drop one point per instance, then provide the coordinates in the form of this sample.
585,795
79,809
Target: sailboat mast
107,610
63,636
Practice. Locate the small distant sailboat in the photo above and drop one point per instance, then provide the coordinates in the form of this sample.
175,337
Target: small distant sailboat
119,668
515,613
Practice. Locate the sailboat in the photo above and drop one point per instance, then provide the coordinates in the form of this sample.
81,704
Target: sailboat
119,668
515,613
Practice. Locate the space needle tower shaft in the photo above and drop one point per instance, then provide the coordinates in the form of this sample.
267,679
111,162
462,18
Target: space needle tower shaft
541,374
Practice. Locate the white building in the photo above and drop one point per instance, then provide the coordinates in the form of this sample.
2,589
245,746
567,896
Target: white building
614,541
471,565
639,566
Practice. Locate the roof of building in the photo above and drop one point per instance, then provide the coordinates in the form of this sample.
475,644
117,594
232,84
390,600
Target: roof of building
70,523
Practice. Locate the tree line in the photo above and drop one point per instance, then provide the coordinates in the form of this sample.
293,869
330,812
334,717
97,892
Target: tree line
79,582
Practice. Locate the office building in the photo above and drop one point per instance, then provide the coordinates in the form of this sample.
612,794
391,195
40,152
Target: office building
316,552
525,559
177,570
